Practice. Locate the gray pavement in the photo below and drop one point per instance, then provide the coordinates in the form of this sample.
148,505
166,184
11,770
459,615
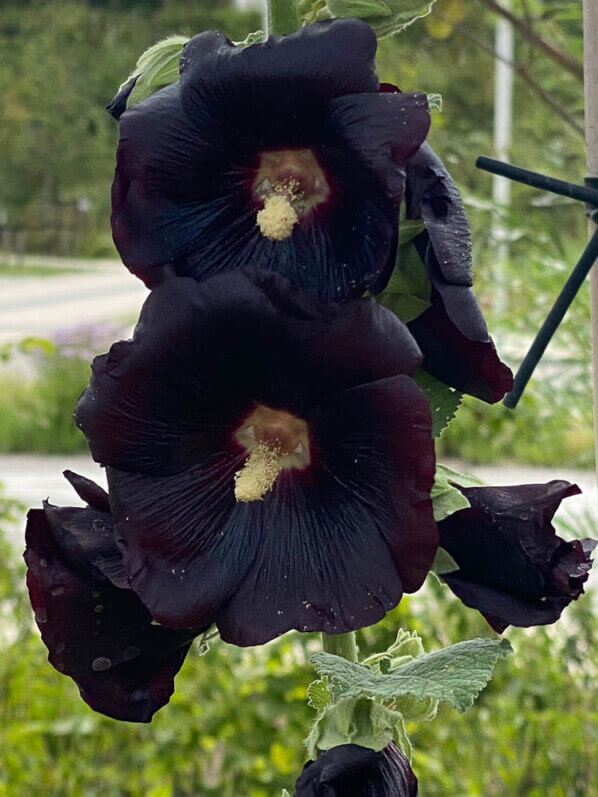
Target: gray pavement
41,306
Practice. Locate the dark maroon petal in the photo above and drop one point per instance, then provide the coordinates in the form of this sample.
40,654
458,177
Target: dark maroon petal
350,770
376,441
86,537
513,567
187,542
118,104
88,491
248,88
102,636
342,542
469,365
452,333
203,353
168,178
384,131
432,195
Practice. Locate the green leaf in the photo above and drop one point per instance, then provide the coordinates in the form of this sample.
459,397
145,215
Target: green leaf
444,400
402,740
253,38
386,18
458,477
408,293
358,720
409,229
455,675
435,102
318,694
312,10
446,498
364,9
156,68
443,563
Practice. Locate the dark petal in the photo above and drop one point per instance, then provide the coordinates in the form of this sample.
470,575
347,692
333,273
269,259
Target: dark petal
268,91
350,770
512,565
99,635
203,353
469,365
118,105
432,195
376,440
86,538
384,131
452,333
187,542
168,177
88,491
343,540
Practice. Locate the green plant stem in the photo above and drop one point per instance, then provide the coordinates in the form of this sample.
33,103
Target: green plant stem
344,645
282,16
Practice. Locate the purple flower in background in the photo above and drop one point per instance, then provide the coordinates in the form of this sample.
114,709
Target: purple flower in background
513,567
354,771
282,155
452,333
96,629
270,458
87,340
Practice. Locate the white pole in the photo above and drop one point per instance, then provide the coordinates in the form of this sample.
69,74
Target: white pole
503,126
590,20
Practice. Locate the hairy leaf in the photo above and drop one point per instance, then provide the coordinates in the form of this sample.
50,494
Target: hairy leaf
455,675
318,694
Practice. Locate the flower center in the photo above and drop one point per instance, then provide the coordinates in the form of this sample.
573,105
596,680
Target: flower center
275,440
289,183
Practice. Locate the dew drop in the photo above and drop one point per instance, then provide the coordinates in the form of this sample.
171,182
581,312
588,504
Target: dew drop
56,591
101,663
98,608
130,653
60,647
41,615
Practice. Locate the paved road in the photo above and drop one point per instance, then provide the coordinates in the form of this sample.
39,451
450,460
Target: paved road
41,306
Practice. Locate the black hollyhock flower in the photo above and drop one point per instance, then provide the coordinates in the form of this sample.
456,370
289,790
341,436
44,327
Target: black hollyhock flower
353,771
95,628
270,458
281,155
452,333
513,567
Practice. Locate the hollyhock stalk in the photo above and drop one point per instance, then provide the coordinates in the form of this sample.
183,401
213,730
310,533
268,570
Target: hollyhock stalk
344,645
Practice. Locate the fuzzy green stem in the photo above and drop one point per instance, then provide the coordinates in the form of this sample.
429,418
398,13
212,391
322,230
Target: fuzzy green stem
344,645
282,16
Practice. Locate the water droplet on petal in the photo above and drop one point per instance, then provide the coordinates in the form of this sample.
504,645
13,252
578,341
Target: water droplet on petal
101,663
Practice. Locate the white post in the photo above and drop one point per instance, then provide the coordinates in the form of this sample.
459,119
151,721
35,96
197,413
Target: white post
590,20
503,126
